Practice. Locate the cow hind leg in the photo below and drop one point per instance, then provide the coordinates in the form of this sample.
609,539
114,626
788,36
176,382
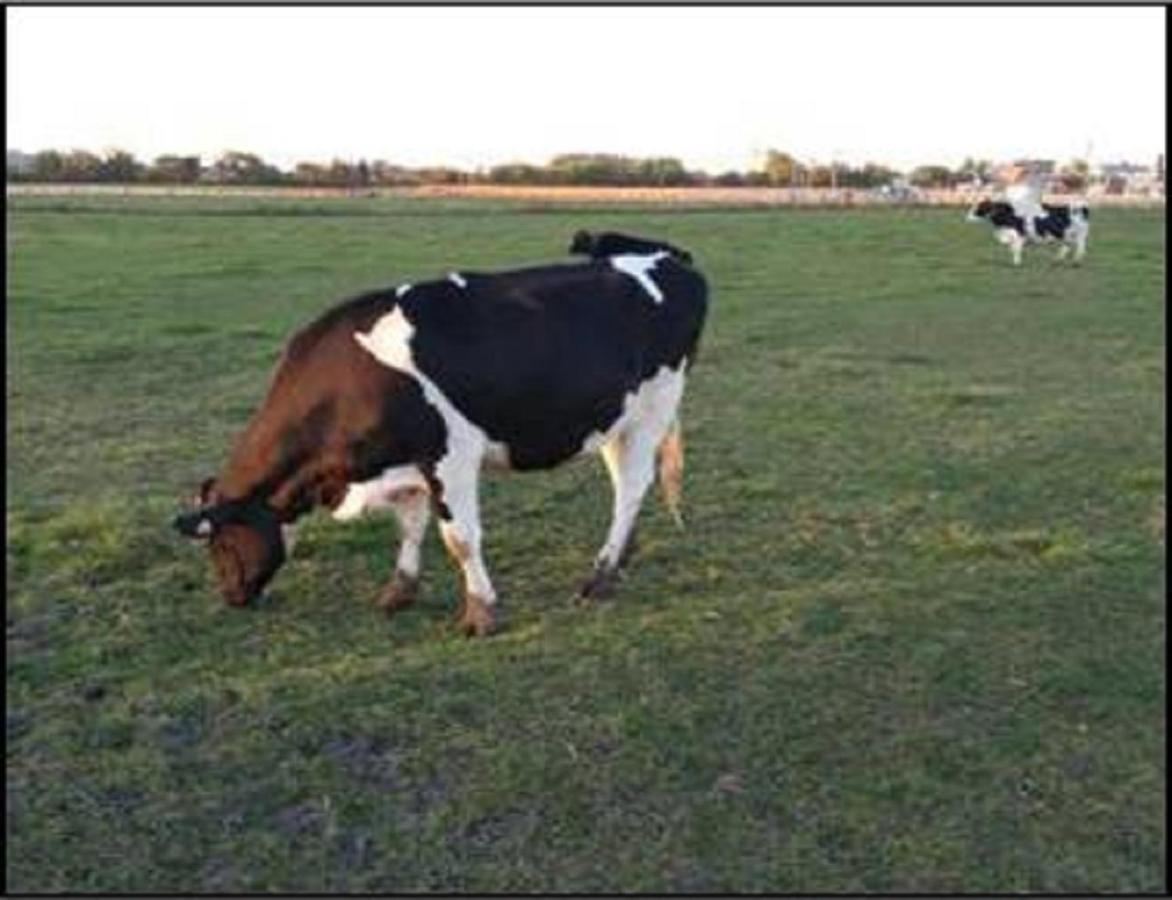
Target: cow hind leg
459,506
1016,245
411,508
630,461
630,458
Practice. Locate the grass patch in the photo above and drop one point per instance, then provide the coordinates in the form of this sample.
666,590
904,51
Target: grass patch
911,640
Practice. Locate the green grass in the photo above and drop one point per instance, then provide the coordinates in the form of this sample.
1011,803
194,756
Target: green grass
912,640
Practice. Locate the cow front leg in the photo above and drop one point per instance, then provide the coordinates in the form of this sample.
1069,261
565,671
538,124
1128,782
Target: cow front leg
1014,241
412,512
630,461
1016,245
458,504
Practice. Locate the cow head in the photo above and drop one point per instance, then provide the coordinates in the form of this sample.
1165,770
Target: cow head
244,538
980,210
583,242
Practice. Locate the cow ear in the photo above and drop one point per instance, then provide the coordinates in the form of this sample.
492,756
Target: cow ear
195,525
204,496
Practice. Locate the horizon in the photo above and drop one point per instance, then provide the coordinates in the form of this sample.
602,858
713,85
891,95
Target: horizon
206,160
721,92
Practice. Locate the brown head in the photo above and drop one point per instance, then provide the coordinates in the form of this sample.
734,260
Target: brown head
243,537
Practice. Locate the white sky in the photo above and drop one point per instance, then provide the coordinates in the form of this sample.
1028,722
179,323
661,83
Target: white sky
472,87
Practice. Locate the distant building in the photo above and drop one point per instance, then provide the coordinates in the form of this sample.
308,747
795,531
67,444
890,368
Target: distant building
1128,178
1035,166
19,163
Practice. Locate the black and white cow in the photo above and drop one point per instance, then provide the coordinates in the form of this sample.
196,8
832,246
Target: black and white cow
398,397
613,243
1015,225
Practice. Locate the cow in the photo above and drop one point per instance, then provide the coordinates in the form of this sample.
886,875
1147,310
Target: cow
1017,225
397,398
612,243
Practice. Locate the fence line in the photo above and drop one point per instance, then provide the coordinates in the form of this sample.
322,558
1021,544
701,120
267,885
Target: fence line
683,196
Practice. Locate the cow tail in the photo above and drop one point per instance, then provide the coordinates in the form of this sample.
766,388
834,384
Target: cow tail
671,470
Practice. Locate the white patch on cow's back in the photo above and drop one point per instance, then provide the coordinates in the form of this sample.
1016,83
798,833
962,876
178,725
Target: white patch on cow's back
655,400
378,493
457,279
389,341
639,266
402,289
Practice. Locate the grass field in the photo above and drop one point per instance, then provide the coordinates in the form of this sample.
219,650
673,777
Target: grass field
912,640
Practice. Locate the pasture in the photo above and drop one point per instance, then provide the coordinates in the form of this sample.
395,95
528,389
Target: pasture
912,639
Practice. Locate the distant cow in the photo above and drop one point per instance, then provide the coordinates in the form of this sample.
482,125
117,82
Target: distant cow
396,399
612,243
1015,226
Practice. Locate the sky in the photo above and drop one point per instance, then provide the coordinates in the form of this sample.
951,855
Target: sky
474,87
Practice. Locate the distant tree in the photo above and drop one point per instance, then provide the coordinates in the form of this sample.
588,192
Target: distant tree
1074,175
931,176
310,174
781,168
662,171
591,169
1160,168
362,173
340,174
980,170
120,167
869,175
441,175
820,176
236,167
81,166
382,172
172,169
729,179
517,173
48,165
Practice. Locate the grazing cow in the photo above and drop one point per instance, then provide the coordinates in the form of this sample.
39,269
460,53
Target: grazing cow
397,397
612,243
1015,226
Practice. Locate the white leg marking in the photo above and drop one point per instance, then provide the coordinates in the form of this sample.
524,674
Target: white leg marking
412,509
1014,241
457,279
459,475
630,455
1080,246
630,461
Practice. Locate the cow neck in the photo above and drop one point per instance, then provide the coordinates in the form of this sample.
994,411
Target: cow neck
290,481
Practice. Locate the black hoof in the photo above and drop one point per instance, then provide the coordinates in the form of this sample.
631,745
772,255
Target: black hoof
600,585
400,592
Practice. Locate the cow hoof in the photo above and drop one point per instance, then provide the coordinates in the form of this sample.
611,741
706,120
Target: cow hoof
600,585
400,592
477,618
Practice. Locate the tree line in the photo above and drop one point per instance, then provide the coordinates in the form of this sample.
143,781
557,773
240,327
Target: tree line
233,167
